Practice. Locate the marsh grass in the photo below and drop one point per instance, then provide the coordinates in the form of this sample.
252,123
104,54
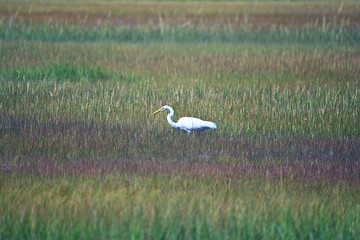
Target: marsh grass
82,156
231,16
335,35
175,206
68,119
170,63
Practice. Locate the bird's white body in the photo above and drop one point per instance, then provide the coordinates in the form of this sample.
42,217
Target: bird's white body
187,124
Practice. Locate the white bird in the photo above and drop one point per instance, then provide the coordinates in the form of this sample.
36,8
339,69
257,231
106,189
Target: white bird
187,124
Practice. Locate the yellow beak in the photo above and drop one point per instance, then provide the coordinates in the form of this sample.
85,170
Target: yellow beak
157,111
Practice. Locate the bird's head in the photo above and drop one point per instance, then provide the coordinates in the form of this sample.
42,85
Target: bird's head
163,108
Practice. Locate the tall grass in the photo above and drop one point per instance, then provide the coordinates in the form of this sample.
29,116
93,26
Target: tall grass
179,63
82,119
82,156
336,35
172,207
74,100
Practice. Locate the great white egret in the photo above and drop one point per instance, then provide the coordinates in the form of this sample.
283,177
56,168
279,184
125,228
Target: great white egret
187,124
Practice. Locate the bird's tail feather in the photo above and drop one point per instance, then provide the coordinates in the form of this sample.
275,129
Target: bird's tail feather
212,125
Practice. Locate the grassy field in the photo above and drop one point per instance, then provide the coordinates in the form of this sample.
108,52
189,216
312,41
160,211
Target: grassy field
82,156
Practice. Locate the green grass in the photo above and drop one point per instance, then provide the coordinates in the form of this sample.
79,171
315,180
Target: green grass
329,35
177,207
82,156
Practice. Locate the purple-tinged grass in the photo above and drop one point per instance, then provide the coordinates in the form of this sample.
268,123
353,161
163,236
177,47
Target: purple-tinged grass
82,157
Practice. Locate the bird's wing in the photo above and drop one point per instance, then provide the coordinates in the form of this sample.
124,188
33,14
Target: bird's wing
190,123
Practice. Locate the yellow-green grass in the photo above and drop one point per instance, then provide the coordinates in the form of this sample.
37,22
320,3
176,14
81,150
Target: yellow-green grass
214,15
226,65
130,204
222,9
143,7
82,156
72,100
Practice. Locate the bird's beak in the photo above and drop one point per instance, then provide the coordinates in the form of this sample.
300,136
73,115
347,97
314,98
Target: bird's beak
157,111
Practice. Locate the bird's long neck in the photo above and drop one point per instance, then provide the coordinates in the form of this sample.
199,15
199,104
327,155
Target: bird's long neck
169,118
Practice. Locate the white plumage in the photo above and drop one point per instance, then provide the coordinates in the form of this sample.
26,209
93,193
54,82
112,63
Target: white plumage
187,124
